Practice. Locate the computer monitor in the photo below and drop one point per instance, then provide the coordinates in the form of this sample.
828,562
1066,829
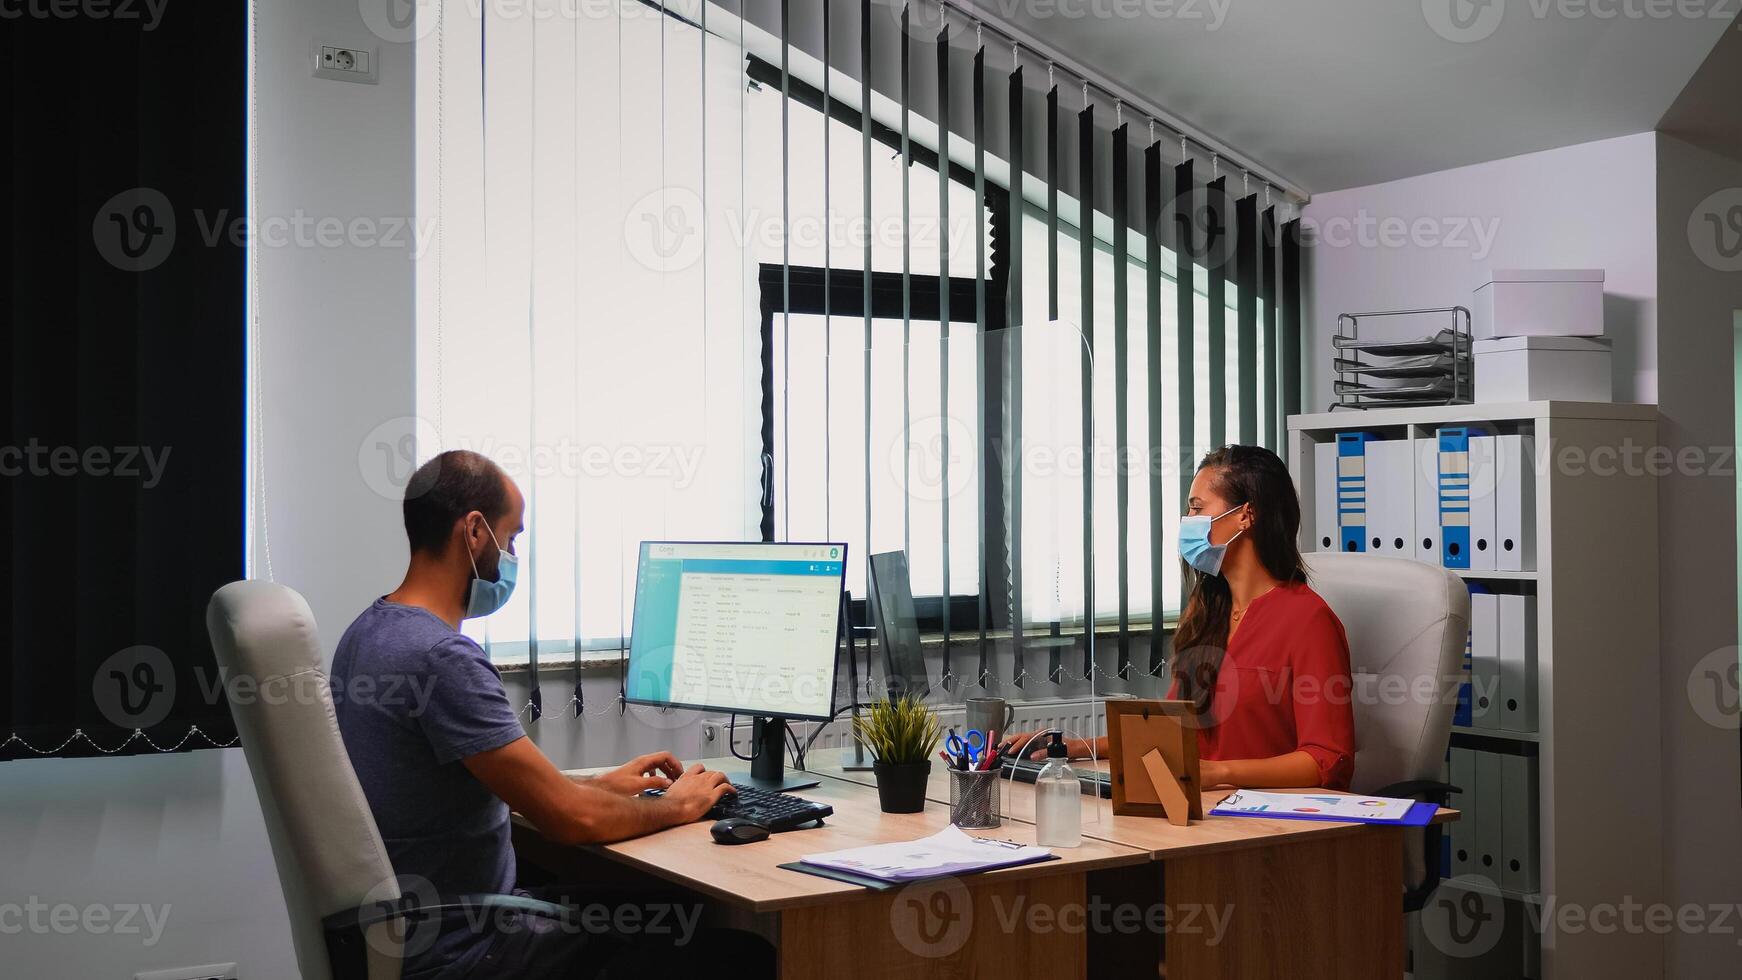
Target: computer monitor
892,612
740,628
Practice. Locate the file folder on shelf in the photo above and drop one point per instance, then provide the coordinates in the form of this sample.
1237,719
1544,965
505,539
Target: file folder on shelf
1515,504
1482,492
1454,496
1325,497
1519,833
1463,830
1390,498
1490,814
1462,715
1517,649
1352,489
1485,683
1427,501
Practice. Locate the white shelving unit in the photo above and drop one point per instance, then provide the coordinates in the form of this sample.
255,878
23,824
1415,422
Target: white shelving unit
1600,792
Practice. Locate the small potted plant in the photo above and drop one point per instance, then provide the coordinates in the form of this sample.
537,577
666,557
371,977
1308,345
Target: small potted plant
901,733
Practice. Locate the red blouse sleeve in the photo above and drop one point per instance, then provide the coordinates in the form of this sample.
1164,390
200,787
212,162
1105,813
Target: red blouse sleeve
1324,715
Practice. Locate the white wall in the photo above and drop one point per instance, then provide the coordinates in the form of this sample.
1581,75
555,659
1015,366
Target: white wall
1702,855
1623,205
1586,206
185,830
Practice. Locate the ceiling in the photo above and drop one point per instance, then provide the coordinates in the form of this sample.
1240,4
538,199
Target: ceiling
1342,93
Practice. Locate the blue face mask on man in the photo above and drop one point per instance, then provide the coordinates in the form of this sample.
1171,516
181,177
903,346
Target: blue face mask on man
1195,546
487,597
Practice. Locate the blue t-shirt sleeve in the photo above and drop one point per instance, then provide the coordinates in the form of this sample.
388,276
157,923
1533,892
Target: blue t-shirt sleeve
467,711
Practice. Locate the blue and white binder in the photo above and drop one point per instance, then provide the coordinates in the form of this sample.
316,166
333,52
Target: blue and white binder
1455,497
1352,489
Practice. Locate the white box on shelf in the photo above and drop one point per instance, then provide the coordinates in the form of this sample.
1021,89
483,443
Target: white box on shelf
1527,369
1539,303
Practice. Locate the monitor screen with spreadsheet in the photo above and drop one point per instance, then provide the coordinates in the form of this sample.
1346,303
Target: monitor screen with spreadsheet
747,628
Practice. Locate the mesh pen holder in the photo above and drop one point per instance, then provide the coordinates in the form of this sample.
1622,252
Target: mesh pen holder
974,799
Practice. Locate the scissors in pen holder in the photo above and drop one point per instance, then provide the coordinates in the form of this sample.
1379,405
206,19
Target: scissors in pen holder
967,750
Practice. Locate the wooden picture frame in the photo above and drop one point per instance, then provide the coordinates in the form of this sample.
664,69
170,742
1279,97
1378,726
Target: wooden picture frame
1152,755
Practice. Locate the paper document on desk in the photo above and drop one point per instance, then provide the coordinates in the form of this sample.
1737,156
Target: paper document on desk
947,852
1325,806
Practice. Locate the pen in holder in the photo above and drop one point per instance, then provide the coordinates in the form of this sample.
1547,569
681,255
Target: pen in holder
974,798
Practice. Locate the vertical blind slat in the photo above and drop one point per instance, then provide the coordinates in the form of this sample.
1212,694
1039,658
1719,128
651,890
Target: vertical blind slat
828,287
1291,338
1185,313
1086,260
1267,291
1216,251
1055,653
1246,286
1121,384
865,279
1152,458
944,327
1014,333
906,288
984,599
786,252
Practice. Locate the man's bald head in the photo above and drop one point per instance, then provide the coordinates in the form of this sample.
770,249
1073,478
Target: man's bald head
446,489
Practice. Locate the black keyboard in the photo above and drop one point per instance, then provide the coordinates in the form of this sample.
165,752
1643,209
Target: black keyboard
1092,780
776,811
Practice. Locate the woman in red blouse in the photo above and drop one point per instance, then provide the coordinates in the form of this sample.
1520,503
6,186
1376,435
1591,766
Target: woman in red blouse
1257,650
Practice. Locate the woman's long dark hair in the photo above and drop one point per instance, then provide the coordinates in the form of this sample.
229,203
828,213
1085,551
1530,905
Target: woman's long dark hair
1243,475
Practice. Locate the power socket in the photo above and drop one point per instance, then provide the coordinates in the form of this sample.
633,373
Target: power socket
345,63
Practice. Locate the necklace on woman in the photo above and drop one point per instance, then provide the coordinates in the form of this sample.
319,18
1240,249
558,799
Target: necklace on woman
1240,611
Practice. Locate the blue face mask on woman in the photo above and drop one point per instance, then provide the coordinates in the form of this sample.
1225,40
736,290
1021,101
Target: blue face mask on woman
487,597
1195,546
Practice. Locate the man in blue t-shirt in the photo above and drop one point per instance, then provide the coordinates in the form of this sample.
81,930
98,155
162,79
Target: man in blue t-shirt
442,757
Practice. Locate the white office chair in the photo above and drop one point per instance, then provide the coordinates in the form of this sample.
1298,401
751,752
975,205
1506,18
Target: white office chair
1407,623
348,916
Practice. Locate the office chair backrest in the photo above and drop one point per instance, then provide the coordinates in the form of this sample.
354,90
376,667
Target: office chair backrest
1407,623
324,839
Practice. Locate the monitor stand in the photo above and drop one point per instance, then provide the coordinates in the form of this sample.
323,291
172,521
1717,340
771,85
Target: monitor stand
768,763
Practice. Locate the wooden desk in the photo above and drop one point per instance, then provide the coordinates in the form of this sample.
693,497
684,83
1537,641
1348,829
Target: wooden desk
973,926
1303,899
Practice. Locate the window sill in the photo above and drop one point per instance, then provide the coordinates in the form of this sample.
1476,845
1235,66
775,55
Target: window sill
608,661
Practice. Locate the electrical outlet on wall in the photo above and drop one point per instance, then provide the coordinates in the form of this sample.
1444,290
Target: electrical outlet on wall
345,63
211,971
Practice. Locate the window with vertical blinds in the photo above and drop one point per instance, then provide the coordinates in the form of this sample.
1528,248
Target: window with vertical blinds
846,268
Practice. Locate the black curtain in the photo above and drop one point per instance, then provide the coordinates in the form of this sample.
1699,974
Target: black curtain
122,478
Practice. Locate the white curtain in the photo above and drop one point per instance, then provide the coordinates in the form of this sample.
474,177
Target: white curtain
588,317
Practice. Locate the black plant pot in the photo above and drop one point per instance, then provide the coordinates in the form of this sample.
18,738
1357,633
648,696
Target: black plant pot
901,785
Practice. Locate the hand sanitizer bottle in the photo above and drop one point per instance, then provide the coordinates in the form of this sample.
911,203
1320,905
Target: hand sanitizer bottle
1058,800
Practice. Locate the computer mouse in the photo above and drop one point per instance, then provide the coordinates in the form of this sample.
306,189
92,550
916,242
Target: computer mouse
738,830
